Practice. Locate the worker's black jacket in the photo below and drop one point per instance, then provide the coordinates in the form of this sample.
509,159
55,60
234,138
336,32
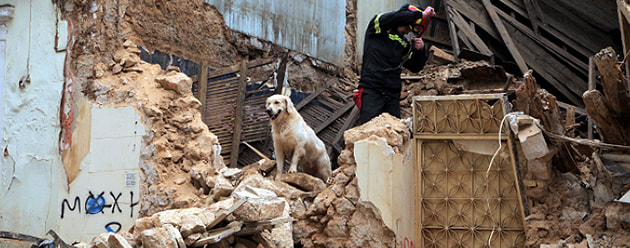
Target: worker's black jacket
385,51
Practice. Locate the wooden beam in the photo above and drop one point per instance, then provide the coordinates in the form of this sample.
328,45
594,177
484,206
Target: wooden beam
238,115
313,95
346,125
591,86
557,74
463,26
334,117
235,68
542,41
452,32
533,13
505,36
202,90
624,24
282,71
474,10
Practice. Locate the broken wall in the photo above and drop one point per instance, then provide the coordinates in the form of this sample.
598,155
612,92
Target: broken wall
385,175
315,28
31,169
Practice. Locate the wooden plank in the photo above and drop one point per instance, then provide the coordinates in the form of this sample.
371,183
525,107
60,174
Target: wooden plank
474,10
235,68
505,36
337,114
568,58
591,86
624,24
469,32
452,31
533,13
346,125
202,93
571,29
558,75
316,93
238,116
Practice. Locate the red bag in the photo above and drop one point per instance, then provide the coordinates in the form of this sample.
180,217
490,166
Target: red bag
357,97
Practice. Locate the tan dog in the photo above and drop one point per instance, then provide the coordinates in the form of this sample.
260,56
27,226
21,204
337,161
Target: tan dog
293,138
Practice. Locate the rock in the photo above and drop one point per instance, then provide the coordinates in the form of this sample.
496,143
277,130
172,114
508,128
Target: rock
117,68
261,204
282,235
352,191
117,241
368,230
386,126
192,239
255,179
617,216
162,237
321,203
222,187
189,101
343,206
337,227
346,158
187,221
177,82
303,181
339,189
303,229
100,241
342,178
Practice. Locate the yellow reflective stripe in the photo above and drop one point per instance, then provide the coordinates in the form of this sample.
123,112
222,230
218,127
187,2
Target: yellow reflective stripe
397,38
377,23
407,57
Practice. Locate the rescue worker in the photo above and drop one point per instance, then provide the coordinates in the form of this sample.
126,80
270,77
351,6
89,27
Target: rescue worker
386,51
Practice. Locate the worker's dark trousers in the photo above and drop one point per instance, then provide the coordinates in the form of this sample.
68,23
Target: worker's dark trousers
374,102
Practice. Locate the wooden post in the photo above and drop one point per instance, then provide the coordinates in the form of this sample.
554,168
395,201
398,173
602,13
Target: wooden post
505,36
591,86
452,31
238,114
202,91
624,24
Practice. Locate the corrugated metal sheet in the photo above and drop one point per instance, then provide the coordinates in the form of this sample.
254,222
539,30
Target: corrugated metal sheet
312,27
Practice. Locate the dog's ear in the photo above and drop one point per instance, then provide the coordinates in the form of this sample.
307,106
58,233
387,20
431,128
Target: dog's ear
289,104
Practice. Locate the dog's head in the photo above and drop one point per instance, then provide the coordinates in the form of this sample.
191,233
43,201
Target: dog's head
278,105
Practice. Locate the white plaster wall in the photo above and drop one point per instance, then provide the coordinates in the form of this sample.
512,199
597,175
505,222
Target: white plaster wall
386,179
110,170
33,183
30,164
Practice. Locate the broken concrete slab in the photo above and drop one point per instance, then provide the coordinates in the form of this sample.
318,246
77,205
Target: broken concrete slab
260,204
303,181
166,236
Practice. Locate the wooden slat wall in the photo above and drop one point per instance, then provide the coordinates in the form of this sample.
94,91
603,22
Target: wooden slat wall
544,35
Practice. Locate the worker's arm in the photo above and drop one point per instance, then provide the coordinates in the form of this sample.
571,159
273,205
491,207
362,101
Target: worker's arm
391,20
418,57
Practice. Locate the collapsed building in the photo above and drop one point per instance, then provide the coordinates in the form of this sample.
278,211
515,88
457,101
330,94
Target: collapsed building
139,124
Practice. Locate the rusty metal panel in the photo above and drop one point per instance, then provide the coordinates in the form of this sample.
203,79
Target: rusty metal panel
464,198
312,27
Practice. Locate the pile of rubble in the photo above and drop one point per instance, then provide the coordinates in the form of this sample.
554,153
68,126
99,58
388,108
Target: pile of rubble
254,210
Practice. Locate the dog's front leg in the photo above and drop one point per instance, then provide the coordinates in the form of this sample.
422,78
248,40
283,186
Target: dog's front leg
279,161
294,161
